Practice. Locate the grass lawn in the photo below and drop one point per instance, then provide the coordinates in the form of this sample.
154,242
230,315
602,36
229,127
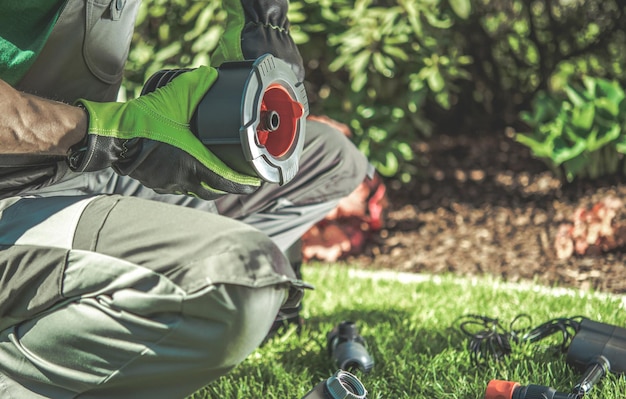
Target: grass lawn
409,323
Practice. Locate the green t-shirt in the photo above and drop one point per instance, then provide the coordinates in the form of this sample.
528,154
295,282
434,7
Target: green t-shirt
24,28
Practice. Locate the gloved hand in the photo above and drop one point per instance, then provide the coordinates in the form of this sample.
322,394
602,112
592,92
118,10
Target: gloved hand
257,27
149,139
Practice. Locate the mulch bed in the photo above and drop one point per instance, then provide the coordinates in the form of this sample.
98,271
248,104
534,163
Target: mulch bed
486,206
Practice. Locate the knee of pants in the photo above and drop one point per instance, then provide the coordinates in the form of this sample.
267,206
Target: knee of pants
254,311
346,166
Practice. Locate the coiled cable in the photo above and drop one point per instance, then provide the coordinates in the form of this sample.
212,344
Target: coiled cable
490,340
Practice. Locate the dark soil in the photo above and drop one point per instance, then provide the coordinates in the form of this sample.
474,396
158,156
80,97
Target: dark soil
486,206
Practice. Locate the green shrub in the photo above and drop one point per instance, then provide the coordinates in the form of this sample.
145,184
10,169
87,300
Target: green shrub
398,71
521,47
374,64
580,131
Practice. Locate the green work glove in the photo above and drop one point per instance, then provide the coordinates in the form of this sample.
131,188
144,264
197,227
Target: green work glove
149,139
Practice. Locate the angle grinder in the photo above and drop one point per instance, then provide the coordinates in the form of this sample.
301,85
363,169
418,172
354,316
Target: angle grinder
253,118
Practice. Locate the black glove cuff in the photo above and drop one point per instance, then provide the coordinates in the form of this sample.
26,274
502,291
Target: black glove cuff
266,30
98,152
267,12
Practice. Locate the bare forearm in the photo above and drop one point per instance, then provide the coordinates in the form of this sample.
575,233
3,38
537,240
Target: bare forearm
33,125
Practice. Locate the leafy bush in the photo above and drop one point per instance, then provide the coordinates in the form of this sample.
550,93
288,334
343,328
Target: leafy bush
400,70
522,47
562,61
374,64
579,132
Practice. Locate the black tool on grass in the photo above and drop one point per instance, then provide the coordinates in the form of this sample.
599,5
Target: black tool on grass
348,348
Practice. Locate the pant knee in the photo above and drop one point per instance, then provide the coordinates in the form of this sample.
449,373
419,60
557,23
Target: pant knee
254,311
331,168
348,163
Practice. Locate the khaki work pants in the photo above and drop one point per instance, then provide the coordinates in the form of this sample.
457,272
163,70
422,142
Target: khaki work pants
95,304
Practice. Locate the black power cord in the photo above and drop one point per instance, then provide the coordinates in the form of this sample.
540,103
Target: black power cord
490,340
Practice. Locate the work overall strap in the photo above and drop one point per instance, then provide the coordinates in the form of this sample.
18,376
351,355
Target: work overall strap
85,54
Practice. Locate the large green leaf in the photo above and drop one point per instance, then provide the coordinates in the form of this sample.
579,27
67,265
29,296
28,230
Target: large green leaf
462,8
577,96
544,108
601,137
610,90
435,79
383,64
390,165
590,84
582,117
607,108
563,151
540,148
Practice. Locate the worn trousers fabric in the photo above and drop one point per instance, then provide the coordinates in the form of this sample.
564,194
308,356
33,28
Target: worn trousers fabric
96,306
